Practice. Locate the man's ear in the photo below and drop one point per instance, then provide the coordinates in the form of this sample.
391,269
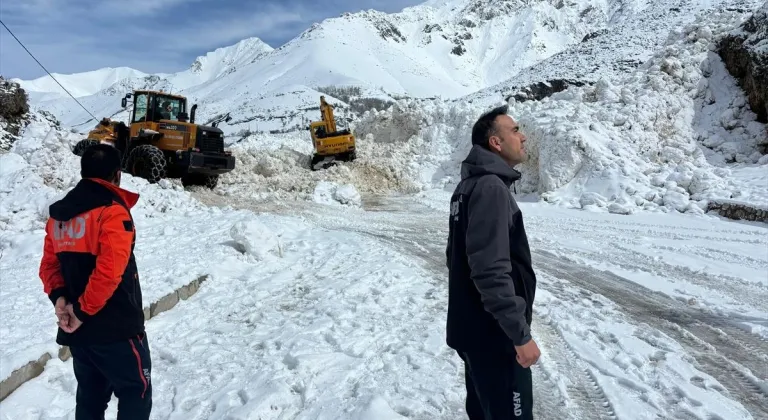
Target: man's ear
494,143
117,177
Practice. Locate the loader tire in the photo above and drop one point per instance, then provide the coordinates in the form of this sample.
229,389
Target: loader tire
80,147
148,162
208,181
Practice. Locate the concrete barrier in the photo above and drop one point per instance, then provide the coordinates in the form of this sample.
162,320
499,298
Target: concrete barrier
34,368
739,211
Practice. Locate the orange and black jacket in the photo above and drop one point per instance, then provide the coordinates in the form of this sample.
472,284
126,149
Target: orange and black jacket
88,258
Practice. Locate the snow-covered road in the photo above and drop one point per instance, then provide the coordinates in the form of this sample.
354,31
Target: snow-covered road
642,315
348,320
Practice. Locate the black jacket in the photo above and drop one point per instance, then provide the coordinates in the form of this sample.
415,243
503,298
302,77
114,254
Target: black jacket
491,279
88,258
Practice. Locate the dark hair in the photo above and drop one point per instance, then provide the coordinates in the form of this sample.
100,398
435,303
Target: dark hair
100,161
485,126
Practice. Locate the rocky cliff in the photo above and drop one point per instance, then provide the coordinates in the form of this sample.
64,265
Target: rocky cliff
14,107
745,54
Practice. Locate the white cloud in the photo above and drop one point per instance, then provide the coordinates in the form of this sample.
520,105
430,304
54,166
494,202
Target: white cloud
143,7
214,32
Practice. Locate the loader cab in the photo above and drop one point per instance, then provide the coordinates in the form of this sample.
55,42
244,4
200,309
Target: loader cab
156,106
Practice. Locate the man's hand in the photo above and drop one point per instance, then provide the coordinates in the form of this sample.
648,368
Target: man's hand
73,323
61,312
528,354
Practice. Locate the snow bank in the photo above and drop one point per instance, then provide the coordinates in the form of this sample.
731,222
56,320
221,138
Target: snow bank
40,169
670,136
658,139
424,139
745,53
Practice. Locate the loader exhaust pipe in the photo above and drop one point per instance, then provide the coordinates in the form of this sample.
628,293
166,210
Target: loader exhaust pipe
192,115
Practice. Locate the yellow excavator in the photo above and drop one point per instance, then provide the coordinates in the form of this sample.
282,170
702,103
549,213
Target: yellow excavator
330,145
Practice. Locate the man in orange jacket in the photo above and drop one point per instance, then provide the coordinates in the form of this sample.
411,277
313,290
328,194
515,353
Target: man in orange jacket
89,272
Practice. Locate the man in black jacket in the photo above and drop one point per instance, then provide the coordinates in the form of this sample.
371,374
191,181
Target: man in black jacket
89,272
491,279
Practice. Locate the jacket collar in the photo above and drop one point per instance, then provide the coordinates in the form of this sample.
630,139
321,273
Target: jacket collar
130,198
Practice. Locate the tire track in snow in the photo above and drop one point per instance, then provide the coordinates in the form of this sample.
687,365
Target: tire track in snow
653,307
582,388
738,290
715,353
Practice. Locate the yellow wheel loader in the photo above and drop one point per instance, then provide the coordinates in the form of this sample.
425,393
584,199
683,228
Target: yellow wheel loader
330,145
165,142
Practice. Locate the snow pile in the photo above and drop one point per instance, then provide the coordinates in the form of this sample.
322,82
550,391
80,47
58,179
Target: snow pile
745,54
670,136
334,194
423,139
725,123
277,167
402,149
253,238
656,139
33,174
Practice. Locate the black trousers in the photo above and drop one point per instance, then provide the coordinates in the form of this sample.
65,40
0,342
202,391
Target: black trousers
124,368
498,388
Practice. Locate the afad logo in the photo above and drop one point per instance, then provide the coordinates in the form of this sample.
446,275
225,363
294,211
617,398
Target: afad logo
71,229
518,404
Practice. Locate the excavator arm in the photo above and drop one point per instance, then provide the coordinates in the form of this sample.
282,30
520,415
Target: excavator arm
326,111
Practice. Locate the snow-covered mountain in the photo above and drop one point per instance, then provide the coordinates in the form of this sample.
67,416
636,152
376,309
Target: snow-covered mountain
445,48
81,84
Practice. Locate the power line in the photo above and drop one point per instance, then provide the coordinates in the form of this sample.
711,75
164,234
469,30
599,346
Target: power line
46,70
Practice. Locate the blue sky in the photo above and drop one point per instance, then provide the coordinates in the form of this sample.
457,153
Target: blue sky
70,36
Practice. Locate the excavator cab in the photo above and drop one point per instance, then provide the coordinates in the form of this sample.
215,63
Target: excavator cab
330,145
